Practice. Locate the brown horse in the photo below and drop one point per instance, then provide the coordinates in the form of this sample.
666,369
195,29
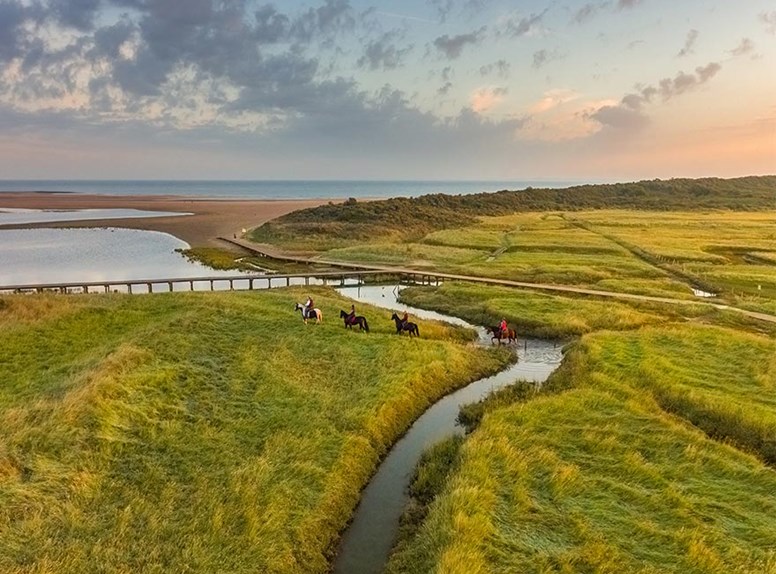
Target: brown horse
408,326
357,320
498,335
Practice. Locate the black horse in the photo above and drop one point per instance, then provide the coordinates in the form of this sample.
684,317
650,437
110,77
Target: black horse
498,335
408,326
357,320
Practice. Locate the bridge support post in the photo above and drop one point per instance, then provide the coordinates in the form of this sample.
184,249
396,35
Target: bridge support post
170,284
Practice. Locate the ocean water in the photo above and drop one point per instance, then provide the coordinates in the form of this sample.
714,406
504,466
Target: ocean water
274,189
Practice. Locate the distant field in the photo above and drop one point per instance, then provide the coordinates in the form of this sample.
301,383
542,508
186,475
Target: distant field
660,238
615,468
200,432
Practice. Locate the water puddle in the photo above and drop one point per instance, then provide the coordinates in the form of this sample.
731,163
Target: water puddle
367,543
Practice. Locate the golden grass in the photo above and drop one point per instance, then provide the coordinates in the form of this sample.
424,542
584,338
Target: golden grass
201,432
587,482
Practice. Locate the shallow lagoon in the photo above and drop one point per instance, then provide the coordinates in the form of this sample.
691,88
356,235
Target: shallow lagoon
40,256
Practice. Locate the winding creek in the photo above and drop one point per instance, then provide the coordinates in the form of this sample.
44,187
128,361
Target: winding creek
366,544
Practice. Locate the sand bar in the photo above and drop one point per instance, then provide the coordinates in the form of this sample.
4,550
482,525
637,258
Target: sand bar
211,217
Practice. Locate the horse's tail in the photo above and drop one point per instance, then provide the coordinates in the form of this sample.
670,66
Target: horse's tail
320,315
417,330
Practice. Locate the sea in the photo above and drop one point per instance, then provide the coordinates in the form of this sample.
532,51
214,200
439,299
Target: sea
277,189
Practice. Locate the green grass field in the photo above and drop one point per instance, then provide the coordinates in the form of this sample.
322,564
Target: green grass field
658,253
588,482
200,432
651,450
539,314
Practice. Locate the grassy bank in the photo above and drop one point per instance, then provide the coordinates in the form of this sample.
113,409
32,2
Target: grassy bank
200,432
540,314
650,450
720,380
587,482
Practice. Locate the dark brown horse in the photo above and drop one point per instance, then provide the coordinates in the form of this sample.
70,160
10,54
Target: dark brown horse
407,326
510,335
357,320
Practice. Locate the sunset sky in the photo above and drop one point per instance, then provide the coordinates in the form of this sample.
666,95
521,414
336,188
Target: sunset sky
422,89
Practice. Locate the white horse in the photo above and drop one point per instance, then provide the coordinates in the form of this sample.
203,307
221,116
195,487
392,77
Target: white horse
309,313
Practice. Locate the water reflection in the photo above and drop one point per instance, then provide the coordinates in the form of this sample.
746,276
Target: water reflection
15,216
33,256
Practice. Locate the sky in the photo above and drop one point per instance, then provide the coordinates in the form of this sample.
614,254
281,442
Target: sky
601,90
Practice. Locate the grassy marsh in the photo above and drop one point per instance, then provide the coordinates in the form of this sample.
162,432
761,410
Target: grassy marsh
588,482
652,449
200,431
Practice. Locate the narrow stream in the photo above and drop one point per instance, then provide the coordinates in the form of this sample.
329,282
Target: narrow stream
366,544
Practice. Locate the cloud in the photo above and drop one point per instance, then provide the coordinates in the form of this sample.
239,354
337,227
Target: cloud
78,14
552,99
689,44
486,98
745,47
543,57
443,7
669,88
620,118
769,19
382,54
585,13
452,47
517,26
629,115
500,68
590,10
625,4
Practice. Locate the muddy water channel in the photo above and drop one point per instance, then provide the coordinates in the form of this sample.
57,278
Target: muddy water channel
367,543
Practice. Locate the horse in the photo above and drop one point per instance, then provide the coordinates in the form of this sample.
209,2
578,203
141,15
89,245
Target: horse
409,326
309,314
357,320
510,335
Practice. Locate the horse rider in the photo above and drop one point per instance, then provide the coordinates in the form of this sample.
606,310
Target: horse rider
503,327
308,307
405,319
352,315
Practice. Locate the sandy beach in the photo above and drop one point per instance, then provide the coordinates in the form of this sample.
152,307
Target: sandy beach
210,218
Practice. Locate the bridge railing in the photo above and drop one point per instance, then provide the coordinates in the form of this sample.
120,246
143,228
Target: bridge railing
233,282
